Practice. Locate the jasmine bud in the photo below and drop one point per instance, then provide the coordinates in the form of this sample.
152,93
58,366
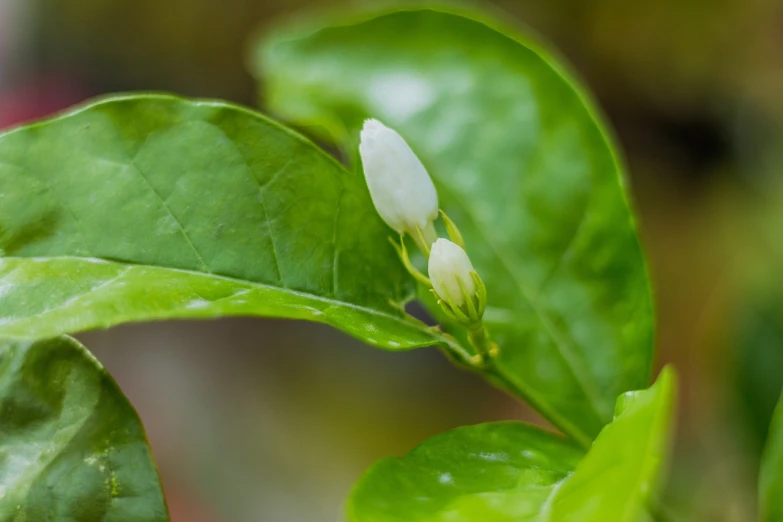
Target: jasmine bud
460,291
401,189
450,269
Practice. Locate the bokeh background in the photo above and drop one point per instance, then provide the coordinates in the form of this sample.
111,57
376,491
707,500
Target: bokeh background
259,420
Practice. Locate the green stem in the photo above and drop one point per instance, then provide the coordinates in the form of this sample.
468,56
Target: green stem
485,364
486,349
425,238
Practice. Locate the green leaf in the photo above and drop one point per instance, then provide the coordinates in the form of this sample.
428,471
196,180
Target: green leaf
497,472
512,472
771,474
71,446
522,164
151,207
618,478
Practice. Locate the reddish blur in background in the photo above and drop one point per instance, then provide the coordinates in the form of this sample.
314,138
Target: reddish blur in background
259,420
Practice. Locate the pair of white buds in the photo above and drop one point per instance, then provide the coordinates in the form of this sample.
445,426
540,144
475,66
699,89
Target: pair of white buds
405,198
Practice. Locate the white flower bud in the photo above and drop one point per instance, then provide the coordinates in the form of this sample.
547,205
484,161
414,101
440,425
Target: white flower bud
450,271
401,189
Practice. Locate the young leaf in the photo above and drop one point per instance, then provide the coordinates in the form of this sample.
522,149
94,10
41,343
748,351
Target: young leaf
510,472
71,446
618,478
522,163
151,207
771,474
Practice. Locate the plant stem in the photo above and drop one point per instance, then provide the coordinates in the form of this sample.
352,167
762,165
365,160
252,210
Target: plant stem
425,238
480,340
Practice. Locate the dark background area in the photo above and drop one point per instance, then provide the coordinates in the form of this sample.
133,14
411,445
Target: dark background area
274,420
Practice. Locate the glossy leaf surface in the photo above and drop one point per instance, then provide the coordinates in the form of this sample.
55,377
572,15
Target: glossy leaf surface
497,472
72,448
522,165
150,207
512,472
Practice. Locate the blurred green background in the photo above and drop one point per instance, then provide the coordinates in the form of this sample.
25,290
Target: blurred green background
255,420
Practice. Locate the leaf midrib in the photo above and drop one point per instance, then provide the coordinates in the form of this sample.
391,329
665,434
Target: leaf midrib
404,321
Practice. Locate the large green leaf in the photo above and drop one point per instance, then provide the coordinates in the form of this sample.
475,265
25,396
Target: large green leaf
771,475
522,164
71,446
511,472
150,207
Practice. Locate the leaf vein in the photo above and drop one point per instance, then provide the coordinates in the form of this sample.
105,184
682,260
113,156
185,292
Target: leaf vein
272,242
336,254
171,213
